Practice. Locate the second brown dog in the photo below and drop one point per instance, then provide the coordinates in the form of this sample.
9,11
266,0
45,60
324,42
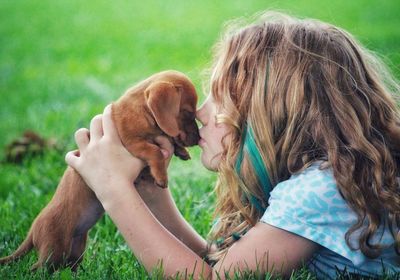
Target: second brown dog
163,104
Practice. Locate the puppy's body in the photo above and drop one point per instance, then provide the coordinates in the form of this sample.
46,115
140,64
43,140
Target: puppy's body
144,112
59,232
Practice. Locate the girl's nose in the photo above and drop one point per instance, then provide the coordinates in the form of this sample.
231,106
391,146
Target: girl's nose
200,115
203,112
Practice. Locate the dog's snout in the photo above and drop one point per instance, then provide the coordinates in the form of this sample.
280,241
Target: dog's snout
195,137
191,136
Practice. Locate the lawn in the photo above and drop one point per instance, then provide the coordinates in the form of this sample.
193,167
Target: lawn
61,62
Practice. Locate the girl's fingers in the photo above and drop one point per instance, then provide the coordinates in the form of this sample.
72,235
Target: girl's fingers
71,158
108,125
166,146
96,128
165,153
82,137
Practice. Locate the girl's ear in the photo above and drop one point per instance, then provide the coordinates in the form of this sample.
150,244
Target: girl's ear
163,100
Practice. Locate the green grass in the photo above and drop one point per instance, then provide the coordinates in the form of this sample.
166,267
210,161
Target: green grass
61,62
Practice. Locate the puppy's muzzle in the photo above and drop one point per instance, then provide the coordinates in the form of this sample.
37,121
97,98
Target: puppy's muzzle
189,138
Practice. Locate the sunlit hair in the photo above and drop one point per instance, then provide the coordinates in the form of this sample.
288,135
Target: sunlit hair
310,92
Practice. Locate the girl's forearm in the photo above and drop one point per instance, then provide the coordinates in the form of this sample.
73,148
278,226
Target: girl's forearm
149,240
169,216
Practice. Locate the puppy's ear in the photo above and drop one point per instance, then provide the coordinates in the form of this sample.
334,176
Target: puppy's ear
163,100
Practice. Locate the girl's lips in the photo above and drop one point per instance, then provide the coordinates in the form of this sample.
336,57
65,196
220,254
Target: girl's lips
201,142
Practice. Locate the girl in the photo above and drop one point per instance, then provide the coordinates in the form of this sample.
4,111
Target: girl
303,130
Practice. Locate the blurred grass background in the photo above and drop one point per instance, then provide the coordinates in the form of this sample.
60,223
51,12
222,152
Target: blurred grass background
61,62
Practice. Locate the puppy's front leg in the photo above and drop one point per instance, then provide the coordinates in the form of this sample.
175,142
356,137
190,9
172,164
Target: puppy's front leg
152,155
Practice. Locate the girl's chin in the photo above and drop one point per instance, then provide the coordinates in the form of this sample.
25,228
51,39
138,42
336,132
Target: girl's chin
208,162
201,143
205,161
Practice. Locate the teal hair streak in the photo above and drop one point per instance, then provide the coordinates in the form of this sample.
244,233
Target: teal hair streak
249,146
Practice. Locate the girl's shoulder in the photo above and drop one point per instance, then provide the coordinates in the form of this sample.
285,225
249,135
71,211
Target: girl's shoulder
310,204
313,187
312,198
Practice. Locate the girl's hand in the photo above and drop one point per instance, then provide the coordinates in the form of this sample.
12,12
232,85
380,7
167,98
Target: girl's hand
166,148
102,160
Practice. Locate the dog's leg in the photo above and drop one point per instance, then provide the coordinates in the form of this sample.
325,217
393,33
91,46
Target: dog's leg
43,253
151,154
77,251
53,257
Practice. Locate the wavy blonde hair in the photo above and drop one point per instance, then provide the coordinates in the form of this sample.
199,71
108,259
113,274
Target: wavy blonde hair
310,92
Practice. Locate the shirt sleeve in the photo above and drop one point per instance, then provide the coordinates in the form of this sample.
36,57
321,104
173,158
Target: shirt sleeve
310,205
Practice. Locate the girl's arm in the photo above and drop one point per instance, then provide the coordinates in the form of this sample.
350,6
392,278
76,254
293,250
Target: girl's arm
149,240
264,248
160,201
109,170
163,207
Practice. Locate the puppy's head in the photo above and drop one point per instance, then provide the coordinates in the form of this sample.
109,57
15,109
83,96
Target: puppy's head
172,100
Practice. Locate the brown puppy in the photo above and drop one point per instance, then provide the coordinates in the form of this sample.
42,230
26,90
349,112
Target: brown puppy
163,104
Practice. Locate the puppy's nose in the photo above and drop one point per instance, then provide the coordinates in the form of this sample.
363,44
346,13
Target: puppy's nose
196,137
192,137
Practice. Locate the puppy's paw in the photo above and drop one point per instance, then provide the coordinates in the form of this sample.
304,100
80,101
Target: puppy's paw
162,183
184,156
182,153
36,266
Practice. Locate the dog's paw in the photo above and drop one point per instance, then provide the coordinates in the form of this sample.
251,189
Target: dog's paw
36,266
182,153
162,183
184,156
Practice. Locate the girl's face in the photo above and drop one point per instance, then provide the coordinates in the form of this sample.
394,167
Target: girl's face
211,134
